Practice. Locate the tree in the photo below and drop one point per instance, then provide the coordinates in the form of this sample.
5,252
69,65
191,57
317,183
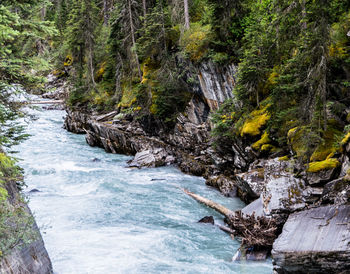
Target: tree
133,39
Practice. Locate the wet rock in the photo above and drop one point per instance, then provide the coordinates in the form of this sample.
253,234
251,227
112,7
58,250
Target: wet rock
314,241
76,122
207,220
34,190
96,160
224,184
250,254
191,166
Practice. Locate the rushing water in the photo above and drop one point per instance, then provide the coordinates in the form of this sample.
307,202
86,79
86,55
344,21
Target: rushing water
97,216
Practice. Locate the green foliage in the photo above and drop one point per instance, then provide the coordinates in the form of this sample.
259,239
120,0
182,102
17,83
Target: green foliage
196,40
16,225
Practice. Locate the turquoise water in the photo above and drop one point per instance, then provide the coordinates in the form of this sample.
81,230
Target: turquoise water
101,217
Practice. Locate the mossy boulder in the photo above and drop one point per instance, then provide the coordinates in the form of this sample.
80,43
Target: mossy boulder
256,121
323,165
321,172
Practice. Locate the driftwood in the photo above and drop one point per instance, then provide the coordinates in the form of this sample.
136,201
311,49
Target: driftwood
255,231
219,208
226,229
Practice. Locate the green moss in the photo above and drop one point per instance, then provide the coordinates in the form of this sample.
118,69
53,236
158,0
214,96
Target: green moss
283,158
3,194
265,139
267,148
129,95
348,117
323,165
257,120
346,139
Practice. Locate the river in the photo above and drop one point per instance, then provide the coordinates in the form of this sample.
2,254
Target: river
97,216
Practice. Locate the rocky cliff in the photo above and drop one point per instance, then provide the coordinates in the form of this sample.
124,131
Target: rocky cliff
25,258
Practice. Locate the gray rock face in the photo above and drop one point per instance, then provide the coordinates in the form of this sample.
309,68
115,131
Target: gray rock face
314,241
216,83
31,258
76,123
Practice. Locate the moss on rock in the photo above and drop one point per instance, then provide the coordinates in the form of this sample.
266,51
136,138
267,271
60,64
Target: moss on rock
323,165
265,139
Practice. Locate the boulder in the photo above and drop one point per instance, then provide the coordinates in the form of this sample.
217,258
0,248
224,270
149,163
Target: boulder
314,241
149,158
271,180
255,207
224,184
322,177
207,220
337,192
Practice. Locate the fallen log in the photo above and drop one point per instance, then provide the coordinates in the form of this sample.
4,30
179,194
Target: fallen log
219,208
44,102
255,231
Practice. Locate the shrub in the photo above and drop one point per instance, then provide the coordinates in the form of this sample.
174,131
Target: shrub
195,41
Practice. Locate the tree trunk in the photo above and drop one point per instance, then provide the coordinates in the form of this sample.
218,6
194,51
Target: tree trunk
132,30
219,208
187,16
118,74
144,7
105,12
303,15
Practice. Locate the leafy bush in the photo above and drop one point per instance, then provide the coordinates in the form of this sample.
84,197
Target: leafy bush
195,41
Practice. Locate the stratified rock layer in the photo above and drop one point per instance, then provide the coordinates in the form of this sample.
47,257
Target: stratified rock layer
314,241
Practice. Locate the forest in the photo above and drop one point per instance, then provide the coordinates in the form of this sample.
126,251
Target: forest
140,59
133,56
